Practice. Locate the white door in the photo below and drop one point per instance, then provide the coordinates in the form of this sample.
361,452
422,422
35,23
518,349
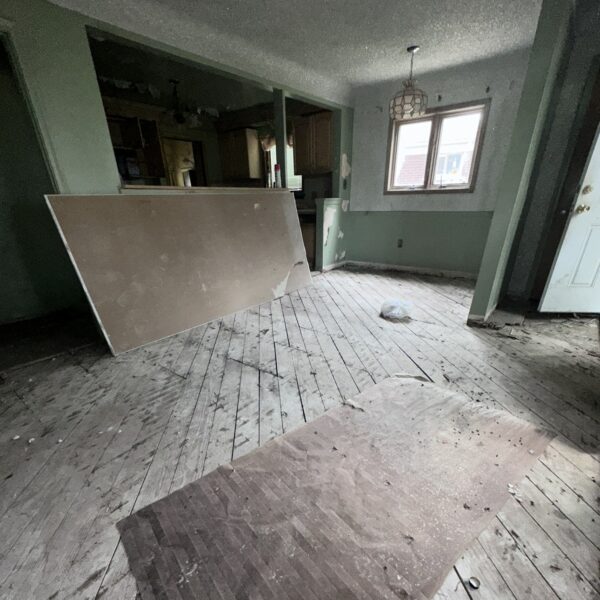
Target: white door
574,282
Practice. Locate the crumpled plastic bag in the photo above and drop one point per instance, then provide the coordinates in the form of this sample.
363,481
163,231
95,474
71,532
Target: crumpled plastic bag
395,310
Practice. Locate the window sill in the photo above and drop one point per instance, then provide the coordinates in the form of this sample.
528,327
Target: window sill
448,190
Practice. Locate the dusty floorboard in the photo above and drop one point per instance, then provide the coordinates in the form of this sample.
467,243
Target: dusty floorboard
110,435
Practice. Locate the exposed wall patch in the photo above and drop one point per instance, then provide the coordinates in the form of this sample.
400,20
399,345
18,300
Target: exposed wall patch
328,219
345,168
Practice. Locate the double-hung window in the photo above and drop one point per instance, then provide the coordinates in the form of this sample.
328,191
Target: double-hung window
438,152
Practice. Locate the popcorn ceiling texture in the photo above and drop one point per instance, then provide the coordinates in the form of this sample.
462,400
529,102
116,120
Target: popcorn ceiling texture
325,47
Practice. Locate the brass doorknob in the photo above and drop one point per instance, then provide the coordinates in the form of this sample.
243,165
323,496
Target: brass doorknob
580,208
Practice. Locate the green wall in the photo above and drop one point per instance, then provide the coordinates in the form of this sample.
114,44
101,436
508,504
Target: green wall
53,60
55,139
436,241
450,242
35,271
544,62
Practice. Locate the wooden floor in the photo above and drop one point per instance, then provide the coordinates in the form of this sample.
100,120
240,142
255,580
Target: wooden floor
100,437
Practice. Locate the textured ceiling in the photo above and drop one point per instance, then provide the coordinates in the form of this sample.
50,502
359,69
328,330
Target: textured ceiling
325,47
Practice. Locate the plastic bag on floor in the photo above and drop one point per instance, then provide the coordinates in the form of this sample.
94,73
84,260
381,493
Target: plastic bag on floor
395,310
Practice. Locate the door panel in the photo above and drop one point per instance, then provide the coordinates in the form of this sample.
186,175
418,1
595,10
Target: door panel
303,143
586,273
574,282
322,142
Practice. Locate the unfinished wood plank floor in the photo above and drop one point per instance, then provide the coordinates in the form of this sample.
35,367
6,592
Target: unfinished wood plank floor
100,437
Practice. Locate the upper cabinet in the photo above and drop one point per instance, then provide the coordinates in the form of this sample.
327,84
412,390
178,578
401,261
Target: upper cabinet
313,144
240,155
136,144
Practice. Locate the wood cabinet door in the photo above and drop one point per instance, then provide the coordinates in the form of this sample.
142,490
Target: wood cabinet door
254,154
234,157
240,155
303,146
152,148
322,140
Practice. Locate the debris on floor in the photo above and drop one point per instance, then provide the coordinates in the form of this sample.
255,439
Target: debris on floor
395,309
513,490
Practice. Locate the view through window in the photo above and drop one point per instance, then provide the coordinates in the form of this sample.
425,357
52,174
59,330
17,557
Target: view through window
437,152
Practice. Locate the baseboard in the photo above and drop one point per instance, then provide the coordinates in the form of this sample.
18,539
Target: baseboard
402,268
332,266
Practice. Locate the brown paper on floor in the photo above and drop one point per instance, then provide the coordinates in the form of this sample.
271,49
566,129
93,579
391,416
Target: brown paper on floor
155,265
371,500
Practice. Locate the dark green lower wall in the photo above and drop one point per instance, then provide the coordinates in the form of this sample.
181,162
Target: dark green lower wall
36,276
444,241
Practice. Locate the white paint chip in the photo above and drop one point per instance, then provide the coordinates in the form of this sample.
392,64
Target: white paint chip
328,219
345,205
345,168
340,234
281,287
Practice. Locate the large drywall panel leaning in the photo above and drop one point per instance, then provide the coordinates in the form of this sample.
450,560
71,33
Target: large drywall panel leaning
156,265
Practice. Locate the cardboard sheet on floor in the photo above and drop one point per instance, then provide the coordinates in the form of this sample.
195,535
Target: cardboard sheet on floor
155,265
376,499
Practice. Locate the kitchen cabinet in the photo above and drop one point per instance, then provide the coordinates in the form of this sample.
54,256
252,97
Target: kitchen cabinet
136,144
240,155
313,144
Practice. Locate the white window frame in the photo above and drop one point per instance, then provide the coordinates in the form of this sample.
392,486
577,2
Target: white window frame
436,116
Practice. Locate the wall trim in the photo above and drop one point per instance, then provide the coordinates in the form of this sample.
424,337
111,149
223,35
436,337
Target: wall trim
401,268
333,266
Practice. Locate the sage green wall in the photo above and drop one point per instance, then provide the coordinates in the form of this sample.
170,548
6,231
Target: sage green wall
54,62
35,272
544,62
61,144
432,242
436,241
440,232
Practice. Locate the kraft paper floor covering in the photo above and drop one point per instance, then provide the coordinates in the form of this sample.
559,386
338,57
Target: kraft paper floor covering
374,499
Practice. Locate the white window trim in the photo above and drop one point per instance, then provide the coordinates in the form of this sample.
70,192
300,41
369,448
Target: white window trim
436,116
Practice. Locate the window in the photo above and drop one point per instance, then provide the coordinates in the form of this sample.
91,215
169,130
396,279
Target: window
294,182
438,152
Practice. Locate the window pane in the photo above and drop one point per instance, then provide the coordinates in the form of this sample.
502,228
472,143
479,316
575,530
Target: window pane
412,142
456,148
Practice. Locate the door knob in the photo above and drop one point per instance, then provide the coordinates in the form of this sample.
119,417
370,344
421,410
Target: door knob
580,208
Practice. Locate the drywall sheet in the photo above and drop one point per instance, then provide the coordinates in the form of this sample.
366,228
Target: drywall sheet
374,499
156,265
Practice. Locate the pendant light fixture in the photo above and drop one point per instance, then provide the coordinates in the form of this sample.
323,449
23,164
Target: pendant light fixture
411,101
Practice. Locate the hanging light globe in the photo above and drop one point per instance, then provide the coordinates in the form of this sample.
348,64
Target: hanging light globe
411,101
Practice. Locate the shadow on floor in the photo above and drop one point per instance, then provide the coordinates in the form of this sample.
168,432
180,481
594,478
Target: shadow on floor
26,342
